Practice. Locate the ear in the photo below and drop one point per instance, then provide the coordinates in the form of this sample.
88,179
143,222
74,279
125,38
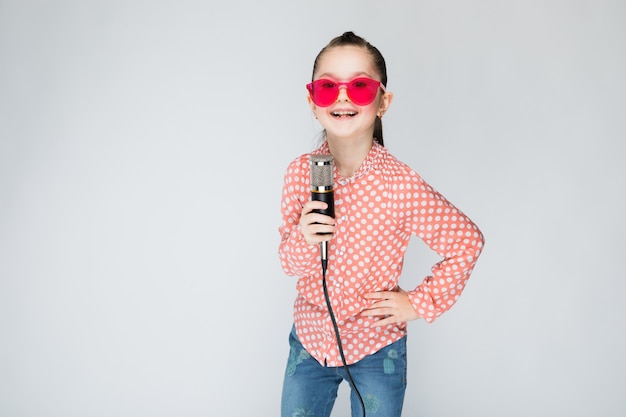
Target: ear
385,102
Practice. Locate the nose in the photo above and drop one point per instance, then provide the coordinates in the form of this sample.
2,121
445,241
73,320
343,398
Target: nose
343,93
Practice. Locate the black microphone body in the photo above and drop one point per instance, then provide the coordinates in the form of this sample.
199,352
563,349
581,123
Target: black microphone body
322,181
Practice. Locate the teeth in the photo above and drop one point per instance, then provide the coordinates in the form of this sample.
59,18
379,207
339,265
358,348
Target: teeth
344,113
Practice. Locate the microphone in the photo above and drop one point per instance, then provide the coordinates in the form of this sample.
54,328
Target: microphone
322,180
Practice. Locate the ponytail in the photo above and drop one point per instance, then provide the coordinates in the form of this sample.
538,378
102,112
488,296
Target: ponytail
378,131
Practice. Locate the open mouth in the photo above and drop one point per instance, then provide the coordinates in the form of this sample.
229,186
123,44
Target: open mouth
343,114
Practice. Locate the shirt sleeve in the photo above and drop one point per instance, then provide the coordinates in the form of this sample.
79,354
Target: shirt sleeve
297,257
452,235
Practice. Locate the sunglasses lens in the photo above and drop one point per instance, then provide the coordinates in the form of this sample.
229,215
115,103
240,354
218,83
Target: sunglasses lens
362,91
324,92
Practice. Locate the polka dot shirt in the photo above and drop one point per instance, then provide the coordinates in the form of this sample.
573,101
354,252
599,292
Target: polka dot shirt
377,210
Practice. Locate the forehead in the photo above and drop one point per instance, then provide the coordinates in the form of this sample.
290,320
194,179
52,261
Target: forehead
345,62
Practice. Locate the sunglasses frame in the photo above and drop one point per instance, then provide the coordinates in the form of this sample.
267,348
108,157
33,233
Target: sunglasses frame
348,84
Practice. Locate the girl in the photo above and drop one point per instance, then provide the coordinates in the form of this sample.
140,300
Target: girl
379,204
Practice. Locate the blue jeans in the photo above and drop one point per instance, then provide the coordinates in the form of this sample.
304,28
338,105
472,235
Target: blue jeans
310,389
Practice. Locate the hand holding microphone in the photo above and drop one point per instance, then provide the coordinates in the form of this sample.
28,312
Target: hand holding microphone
316,227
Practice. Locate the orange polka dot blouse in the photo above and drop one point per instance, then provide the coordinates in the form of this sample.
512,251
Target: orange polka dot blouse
377,210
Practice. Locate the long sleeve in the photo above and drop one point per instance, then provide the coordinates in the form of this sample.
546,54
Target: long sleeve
452,235
297,257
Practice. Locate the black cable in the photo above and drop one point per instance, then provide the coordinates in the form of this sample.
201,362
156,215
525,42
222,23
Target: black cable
332,318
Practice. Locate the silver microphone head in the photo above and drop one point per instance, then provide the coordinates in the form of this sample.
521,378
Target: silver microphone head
322,172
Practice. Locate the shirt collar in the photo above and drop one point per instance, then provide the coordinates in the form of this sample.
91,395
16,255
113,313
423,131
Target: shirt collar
373,160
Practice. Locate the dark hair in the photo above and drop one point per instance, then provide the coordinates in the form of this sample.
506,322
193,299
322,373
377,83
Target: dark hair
350,39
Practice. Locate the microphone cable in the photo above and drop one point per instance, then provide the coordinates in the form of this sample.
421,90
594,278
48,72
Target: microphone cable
338,337
322,172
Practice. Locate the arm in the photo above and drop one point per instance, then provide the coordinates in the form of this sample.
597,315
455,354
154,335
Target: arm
452,235
301,229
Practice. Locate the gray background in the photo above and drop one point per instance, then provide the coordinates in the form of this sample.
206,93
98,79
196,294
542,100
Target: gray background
142,150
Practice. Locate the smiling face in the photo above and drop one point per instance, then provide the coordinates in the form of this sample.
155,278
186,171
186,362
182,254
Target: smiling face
344,118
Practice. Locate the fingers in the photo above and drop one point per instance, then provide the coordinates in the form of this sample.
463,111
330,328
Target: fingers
316,227
392,306
309,206
383,315
379,295
386,321
382,306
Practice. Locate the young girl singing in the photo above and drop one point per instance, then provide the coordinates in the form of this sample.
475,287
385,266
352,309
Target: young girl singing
379,204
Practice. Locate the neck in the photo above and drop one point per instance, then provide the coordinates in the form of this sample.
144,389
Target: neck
349,155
